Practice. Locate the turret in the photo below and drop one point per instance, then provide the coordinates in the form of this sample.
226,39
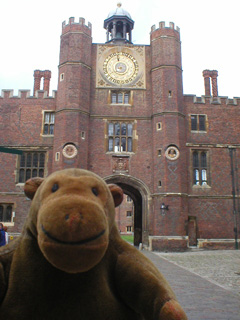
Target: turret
166,68
169,128
73,102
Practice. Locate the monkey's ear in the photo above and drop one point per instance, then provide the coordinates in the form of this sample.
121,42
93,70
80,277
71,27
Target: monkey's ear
31,186
117,194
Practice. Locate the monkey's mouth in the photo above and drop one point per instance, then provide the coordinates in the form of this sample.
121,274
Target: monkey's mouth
74,243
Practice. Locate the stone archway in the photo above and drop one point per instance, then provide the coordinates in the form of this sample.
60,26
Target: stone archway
140,195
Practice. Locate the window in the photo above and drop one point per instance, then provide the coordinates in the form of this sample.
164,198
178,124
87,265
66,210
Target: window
57,156
48,126
200,170
83,135
129,213
120,97
31,165
120,136
198,122
6,211
159,126
129,199
129,228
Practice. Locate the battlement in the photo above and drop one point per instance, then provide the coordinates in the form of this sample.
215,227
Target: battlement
223,101
163,26
76,26
25,94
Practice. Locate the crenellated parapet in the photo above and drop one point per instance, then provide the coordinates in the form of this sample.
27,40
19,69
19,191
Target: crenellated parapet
73,26
26,94
210,100
164,30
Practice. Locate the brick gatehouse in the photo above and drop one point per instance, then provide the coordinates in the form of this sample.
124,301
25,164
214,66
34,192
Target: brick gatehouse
119,111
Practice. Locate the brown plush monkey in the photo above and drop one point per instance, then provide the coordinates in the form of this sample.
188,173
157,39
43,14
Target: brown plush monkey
71,263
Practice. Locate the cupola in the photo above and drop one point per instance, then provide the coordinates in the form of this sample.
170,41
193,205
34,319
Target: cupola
119,26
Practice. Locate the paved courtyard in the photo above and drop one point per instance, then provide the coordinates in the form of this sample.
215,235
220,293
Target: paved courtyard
219,267
207,283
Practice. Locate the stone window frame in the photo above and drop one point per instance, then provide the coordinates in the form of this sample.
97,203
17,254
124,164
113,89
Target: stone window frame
33,165
200,168
159,152
114,136
48,124
129,213
120,97
198,123
3,211
128,228
159,126
128,199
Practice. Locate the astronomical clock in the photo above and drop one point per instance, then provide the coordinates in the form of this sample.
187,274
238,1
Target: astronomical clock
119,66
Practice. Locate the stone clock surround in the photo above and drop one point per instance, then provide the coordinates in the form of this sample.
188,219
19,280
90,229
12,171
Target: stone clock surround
120,67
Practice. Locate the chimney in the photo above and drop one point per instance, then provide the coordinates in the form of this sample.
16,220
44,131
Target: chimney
214,83
37,81
46,84
38,74
206,75
213,74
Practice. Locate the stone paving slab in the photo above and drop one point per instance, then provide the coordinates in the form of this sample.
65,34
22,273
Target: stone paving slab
220,267
200,297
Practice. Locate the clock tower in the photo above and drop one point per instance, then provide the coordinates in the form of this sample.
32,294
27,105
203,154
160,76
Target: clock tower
120,64
119,114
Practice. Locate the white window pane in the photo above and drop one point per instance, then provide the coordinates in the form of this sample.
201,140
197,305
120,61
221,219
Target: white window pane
110,129
129,129
204,176
196,176
52,117
47,117
110,144
120,98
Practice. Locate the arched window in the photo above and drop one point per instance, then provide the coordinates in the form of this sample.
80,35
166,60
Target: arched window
120,97
200,167
31,164
1,213
6,210
8,214
120,136
198,122
48,125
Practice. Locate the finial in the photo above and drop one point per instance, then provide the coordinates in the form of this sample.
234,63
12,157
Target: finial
119,4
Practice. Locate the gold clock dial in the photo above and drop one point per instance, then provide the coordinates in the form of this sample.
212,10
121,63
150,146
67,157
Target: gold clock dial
120,68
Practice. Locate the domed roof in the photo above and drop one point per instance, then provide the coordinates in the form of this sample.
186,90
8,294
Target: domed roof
119,11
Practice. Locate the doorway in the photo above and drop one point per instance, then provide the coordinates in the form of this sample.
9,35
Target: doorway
139,193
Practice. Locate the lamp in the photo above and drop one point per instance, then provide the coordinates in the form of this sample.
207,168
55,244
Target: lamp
163,209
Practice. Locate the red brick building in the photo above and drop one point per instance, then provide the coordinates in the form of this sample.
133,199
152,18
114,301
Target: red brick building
120,111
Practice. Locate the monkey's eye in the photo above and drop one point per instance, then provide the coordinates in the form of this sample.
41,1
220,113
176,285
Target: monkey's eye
55,187
95,191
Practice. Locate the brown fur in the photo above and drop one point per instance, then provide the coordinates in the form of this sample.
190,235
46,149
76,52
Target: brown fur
70,262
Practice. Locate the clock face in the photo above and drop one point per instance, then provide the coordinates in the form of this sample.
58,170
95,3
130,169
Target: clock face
120,68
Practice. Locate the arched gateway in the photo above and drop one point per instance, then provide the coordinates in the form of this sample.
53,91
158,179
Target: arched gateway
140,195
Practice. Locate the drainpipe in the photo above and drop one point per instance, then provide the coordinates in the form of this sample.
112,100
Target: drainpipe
231,149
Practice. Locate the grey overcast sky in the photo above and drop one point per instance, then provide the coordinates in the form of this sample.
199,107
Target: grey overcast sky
30,37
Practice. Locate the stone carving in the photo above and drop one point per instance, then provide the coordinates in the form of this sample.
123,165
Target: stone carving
120,164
